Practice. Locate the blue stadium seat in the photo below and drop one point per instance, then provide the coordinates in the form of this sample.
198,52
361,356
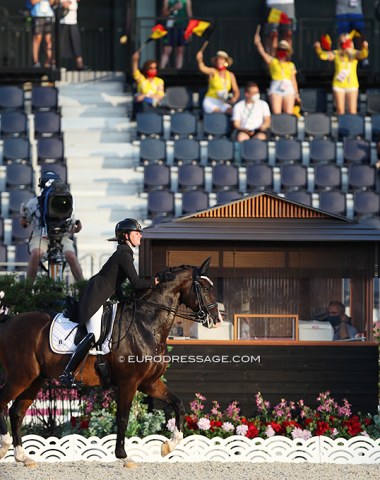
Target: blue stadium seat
322,150
44,98
225,177
3,257
22,255
366,203
13,123
299,196
333,202
293,176
58,168
220,150
361,177
317,125
356,150
288,150
178,98
216,125
190,177
149,124
327,177
373,101
16,198
226,196
11,97
50,149
183,125
156,177
283,125
152,150
16,149
47,123
194,200
186,150
19,175
254,151
375,120
19,233
350,125
160,203
259,177
313,100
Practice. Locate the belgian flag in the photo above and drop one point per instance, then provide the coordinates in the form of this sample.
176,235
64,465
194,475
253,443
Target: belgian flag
199,27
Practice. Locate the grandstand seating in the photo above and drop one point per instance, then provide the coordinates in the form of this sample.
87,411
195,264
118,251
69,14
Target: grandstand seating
317,125
194,200
253,151
186,150
259,177
333,202
225,177
190,177
216,125
152,150
16,149
288,150
313,100
44,98
284,125
11,97
13,123
183,124
178,98
149,124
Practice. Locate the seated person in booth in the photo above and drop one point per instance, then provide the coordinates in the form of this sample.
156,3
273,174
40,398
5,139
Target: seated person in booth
251,117
341,323
223,90
46,228
150,87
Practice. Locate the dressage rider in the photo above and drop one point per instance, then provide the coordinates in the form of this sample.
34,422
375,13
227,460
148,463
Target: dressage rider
101,286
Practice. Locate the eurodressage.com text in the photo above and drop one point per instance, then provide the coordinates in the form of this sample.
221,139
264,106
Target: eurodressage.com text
194,359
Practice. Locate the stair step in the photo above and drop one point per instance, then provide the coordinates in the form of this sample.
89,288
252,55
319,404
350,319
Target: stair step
108,150
98,98
68,89
91,138
119,124
99,162
93,110
74,77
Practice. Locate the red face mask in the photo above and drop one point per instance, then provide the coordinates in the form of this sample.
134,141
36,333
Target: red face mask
346,44
221,67
151,73
281,54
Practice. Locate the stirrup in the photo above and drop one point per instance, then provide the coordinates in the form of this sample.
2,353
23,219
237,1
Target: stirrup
67,380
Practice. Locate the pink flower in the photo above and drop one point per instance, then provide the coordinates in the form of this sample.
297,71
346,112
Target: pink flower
299,433
242,430
228,427
199,396
204,424
269,432
171,425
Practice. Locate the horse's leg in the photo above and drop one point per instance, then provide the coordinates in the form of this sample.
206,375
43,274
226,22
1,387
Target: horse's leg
160,391
5,438
16,415
124,399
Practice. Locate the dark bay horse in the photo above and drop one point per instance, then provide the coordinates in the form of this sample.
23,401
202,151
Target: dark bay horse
28,360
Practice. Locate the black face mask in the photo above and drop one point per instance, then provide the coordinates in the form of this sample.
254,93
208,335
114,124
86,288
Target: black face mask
334,320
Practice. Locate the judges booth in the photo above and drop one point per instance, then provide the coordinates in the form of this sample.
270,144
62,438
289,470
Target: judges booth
275,265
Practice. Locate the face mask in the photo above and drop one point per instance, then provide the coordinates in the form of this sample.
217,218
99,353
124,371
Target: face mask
151,73
281,54
347,44
221,67
255,97
334,320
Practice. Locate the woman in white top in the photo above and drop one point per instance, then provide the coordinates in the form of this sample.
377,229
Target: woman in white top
70,43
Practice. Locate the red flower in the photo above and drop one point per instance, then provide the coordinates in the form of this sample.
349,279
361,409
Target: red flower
84,424
276,426
73,421
322,428
191,423
252,430
215,424
353,426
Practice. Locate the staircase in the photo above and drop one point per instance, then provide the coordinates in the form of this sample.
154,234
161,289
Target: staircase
101,161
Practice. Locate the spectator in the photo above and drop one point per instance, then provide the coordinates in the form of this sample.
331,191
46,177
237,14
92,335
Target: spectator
150,88
281,30
220,83
283,90
42,28
178,13
39,241
345,83
69,33
251,117
341,323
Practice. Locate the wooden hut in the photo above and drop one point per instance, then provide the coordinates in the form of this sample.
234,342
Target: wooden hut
276,265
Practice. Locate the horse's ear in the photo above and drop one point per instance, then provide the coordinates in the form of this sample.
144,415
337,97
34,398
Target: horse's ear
203,269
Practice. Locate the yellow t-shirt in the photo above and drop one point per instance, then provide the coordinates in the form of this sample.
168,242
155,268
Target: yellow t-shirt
217,84
281,70
148,87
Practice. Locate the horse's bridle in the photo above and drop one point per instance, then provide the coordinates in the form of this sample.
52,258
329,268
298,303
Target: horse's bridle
203,314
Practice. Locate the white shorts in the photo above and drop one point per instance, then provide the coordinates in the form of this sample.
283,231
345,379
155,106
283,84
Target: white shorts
281,87
41,243
345,90
210,104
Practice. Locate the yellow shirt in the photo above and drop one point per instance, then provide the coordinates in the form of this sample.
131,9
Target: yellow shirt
281,70
345,75
217,84
149,87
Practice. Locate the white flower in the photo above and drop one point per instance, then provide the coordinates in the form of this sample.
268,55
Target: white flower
204,424
171,425
228,427
242,430
299,433
269,432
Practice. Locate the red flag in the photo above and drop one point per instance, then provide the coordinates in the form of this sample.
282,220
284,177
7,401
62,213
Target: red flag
196,26
326,42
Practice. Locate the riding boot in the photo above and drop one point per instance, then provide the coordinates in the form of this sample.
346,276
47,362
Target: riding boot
67,378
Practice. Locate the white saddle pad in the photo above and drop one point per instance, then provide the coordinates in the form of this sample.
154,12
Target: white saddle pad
63,331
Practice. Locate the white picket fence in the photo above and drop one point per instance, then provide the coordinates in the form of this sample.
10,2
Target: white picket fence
196,448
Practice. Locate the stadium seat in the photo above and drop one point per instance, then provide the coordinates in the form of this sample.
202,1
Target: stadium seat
327,177
356,150
317,125
293,176
3,257
50,149
58,168
156,177
313,100
11,97
288,150
186,150
178,98
361,177
322,150
19,233
373,101
18,175
226,196
47,123
299,196
13,123
254,151
225,177
160,203
194,200
350,125
183,124
216,125
375,120
22,256
16,198
152,150
333,202
16,149
149,124
259,177
190,177
366,203
220,150
44,98
284,125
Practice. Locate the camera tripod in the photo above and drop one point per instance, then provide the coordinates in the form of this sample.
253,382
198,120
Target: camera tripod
55,259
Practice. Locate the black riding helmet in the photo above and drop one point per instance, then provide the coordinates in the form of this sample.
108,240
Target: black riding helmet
125,226
47,177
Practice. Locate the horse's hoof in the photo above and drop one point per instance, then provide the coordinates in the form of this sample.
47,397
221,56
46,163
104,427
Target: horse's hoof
29,463
129,464
165,449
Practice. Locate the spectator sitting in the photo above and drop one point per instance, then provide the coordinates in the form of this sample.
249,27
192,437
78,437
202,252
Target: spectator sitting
341,323
251,117
221,82
150,88
283,91
345,83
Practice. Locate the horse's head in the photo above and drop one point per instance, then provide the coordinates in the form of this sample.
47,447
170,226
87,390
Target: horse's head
200,297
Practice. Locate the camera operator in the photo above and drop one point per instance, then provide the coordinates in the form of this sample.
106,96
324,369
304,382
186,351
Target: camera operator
45,234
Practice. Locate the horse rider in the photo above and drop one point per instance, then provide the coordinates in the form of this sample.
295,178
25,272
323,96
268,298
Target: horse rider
100,287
